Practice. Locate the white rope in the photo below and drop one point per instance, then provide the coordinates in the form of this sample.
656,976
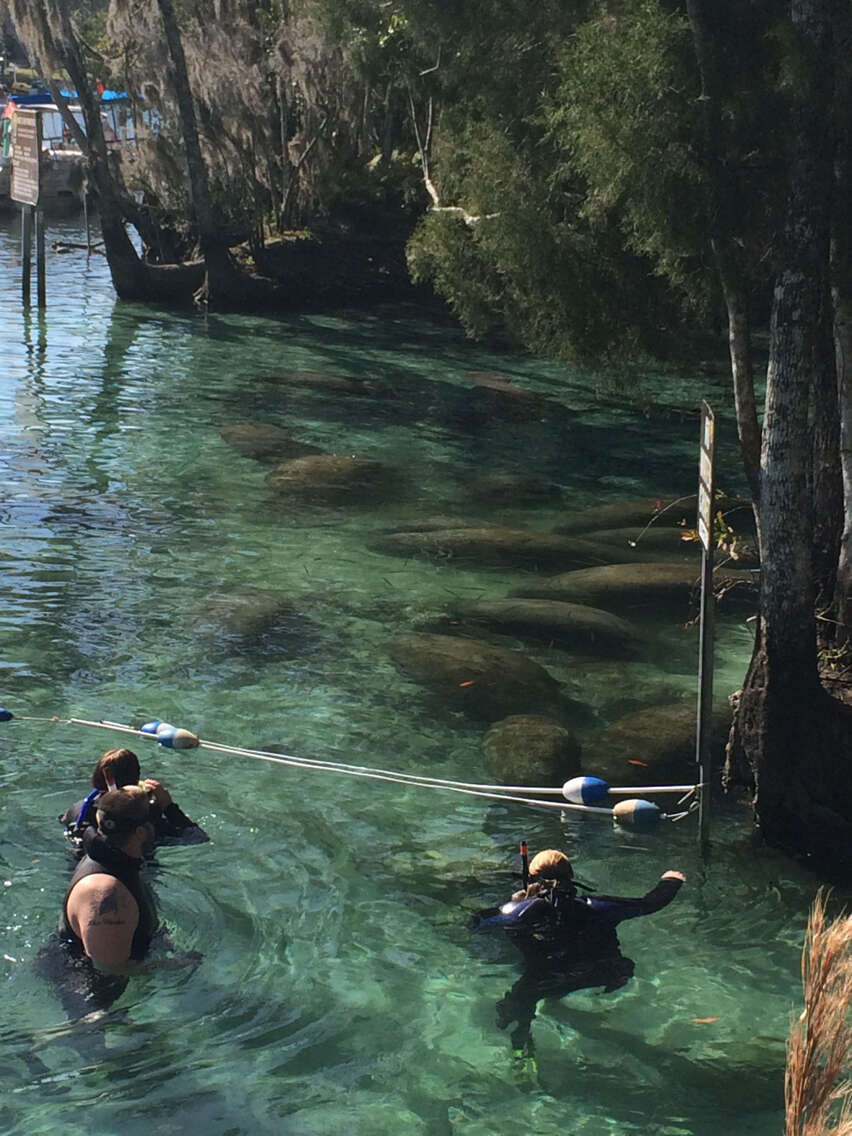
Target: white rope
473,789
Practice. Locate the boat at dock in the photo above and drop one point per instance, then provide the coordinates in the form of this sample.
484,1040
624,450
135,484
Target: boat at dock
63,165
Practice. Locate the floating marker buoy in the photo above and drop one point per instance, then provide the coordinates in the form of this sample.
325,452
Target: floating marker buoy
585,790
150,727
6,715
172,737
636,813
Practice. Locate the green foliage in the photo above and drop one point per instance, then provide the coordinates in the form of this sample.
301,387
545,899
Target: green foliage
531,264
625,115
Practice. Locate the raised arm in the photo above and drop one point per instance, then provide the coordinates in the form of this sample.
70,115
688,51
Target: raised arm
619,908
105,915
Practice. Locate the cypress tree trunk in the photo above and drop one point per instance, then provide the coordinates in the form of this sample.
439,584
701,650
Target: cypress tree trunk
707,40
795,738
220,278
841,278
57,46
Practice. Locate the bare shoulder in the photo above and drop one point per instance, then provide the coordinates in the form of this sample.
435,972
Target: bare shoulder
103,913
101,896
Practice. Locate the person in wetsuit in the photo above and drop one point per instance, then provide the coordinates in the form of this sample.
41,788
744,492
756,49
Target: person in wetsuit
109,912
109,915
116,769
568,941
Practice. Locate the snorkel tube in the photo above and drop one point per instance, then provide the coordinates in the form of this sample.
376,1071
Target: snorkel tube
525,864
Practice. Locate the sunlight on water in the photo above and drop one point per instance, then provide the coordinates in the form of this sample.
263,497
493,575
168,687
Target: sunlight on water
341,991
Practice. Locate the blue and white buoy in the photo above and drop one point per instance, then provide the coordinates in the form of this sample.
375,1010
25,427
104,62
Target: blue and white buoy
585,790
173,737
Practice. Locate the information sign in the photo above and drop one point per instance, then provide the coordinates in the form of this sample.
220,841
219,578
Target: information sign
705,476
706,491
26,157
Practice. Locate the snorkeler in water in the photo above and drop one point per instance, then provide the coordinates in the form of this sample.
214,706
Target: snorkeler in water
117,769
568,941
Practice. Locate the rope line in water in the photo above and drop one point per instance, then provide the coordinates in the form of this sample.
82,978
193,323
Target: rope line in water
473,789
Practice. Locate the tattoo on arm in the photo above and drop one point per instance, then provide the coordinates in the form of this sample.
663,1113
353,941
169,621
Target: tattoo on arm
108,903
107,913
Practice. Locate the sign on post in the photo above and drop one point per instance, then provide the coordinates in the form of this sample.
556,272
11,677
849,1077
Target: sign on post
26,157
705,477
706,493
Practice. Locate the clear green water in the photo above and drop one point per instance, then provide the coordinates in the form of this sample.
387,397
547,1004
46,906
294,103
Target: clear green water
340,991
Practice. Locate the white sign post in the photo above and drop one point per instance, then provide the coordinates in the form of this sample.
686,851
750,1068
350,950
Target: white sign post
706,492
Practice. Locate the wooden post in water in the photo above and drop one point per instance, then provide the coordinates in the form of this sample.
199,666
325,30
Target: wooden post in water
41,282
706,492
26,251
84,199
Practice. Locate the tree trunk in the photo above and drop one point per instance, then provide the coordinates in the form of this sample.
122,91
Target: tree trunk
221,279
795,738
826,481
841,280
704,20
132,279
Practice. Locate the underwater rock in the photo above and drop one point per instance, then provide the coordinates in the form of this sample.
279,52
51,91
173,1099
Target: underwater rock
334,479
659,541
258,619
502,399
503,384
620,514
529,749
489,682
620,586
498,546
654,745
654,541
264,442
437,522
319,380
512,489
567,624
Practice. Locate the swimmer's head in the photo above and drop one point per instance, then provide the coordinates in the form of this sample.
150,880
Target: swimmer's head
551,865
115,769
121,811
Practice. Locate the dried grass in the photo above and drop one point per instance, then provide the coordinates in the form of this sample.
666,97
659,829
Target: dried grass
817,1088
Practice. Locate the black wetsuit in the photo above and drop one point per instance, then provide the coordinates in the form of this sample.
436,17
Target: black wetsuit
171,824
569,943
80,986
101,857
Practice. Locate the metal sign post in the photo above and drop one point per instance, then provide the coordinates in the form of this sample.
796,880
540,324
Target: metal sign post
25,187
706,491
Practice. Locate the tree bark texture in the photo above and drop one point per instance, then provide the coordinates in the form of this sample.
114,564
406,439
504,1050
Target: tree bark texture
220,278
795,738
703,19
841,289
